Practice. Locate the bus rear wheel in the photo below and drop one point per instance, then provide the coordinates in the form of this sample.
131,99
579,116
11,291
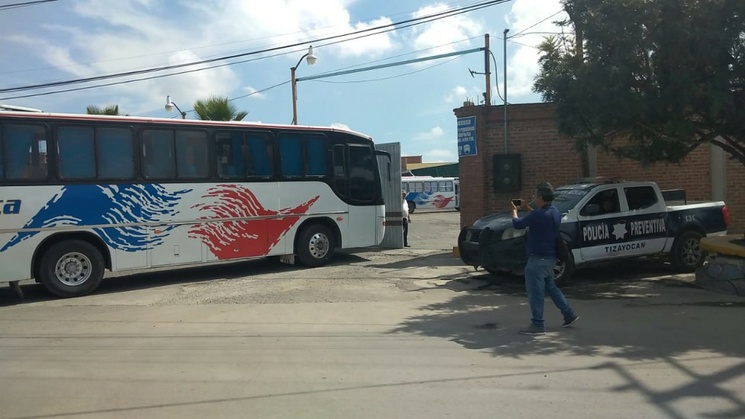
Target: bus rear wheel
71,268
315,246
412,206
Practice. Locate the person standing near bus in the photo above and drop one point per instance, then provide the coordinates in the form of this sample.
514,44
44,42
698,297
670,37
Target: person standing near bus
544,223
406,218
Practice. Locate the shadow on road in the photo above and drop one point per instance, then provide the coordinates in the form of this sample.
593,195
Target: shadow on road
643,316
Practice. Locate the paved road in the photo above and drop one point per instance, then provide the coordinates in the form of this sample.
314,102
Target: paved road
403,333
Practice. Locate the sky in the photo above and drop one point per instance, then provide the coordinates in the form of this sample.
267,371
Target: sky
406,99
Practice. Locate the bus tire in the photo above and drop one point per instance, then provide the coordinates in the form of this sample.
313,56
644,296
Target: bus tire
412,206
686,254
71,268
315,246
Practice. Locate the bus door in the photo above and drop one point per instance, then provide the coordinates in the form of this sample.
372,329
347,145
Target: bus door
356,182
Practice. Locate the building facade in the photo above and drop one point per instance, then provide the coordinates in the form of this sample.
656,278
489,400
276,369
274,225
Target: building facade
532,142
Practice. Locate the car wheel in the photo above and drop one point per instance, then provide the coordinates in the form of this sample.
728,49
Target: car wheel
563,271
686,254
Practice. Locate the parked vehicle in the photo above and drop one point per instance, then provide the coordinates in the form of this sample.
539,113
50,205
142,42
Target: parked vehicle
431,193
603,221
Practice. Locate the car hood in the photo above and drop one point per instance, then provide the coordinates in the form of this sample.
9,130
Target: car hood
496,222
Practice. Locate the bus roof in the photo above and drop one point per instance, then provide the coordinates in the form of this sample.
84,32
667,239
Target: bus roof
35,114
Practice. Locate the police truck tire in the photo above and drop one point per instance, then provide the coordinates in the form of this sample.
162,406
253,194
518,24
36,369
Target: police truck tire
686,254
315,246
563,271
71,268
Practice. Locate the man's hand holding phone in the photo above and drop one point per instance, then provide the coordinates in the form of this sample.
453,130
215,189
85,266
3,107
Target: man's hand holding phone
517,203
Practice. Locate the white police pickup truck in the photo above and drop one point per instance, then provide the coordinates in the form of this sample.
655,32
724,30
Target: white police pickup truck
601,222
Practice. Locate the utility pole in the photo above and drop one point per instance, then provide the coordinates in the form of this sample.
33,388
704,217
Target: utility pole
487,72
504,69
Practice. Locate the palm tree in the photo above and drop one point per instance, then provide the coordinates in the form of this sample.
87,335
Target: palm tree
217,108
108,110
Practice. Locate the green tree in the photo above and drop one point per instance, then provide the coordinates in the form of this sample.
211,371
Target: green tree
662,76
217,109
97,110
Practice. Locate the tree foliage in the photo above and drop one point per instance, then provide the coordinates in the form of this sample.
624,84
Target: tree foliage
217,108
107,110
649,80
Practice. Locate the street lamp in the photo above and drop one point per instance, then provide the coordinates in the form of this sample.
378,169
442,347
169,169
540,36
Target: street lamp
311,59
170,105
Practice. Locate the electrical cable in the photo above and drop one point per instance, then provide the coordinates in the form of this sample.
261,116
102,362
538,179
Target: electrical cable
375,31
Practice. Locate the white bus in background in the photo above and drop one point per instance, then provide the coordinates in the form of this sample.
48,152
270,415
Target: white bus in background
431,193
80,194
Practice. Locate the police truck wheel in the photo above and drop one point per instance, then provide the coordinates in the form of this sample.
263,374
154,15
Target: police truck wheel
315,247
71,268
686,254
563,270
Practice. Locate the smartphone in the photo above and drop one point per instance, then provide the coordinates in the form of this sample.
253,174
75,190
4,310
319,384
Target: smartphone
517,202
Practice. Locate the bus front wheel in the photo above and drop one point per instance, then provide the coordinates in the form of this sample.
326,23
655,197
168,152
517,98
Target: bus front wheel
71,268
315,246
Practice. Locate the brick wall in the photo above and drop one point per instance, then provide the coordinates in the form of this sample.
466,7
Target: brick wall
545,156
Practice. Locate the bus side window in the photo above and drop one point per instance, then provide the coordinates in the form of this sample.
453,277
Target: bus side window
340,169
191,154
291,155
2,155
75,153
315,155
261,154
229,155
26,152
115,153
361,173
158,154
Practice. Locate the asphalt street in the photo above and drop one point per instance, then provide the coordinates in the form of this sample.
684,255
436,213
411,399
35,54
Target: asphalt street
379,333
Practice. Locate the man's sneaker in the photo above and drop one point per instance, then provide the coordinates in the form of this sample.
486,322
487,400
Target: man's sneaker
570,321
533,330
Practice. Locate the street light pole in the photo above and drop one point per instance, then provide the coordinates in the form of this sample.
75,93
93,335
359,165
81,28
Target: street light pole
171,104
311,59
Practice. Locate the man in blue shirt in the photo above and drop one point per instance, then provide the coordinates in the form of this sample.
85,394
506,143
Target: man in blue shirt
544,224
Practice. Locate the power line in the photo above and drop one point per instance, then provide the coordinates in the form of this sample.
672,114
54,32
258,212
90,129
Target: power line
24,4
367,32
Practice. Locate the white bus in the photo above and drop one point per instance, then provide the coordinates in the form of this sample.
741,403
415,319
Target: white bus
80,194
431,193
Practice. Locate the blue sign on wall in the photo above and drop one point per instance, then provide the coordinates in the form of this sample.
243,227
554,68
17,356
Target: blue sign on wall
467,136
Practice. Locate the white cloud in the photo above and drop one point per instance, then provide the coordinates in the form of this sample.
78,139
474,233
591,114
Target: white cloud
438,36
431,135
460,94
530,22
440,155
339,125
253,93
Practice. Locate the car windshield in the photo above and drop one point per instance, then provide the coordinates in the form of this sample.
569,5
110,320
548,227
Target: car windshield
566,199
